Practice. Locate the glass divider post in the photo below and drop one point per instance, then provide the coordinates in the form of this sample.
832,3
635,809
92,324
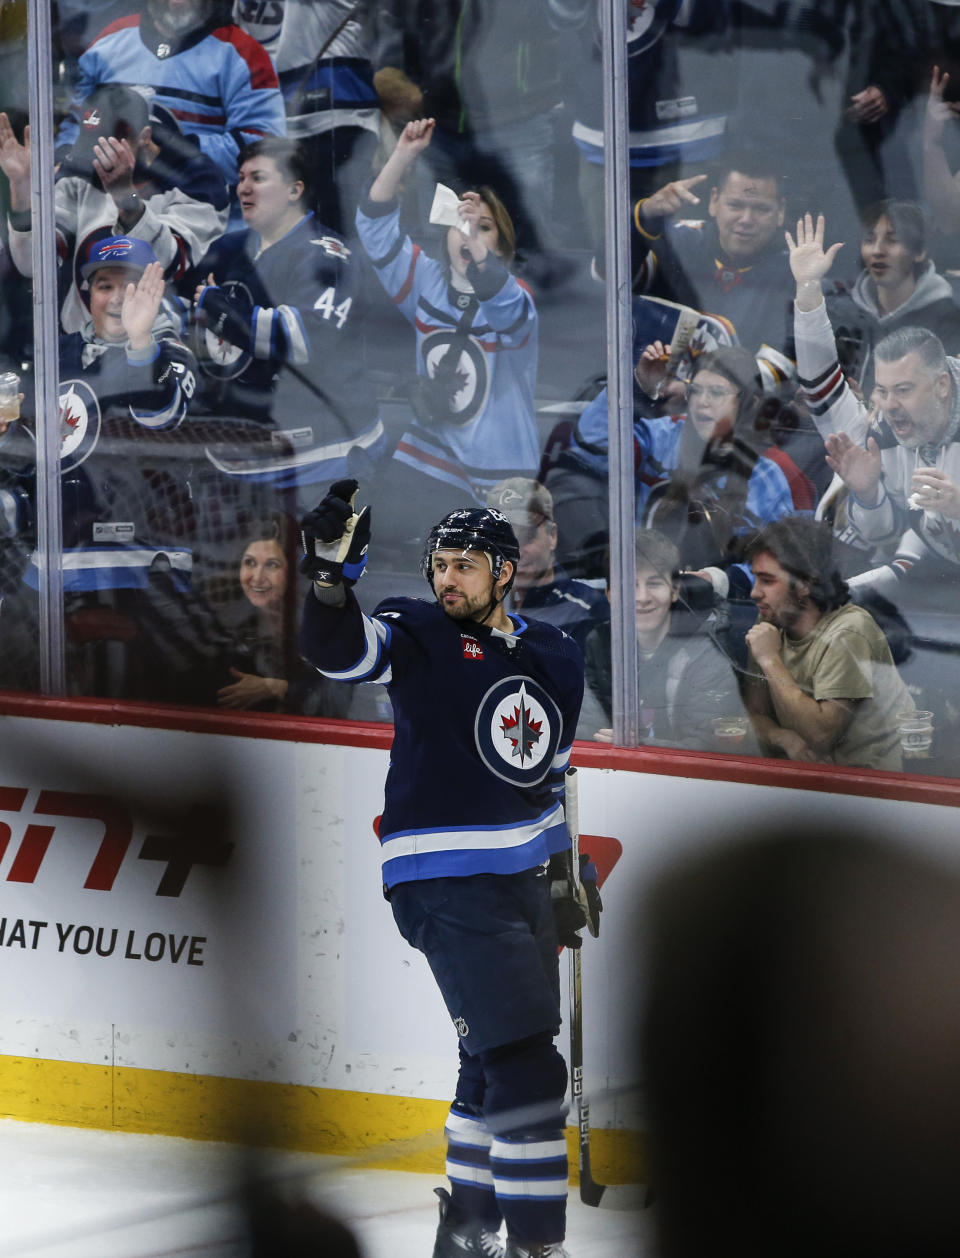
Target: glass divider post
619,371
46,337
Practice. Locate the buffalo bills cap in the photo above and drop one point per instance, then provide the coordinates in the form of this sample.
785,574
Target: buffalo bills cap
125,251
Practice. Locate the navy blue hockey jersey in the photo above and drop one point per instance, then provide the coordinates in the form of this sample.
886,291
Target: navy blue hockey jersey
279,343
484,724
681,260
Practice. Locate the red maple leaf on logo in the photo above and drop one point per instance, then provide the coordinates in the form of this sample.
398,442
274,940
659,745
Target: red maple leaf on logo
71,415
522,732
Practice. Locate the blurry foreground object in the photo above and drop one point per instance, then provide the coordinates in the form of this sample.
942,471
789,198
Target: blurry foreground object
801,1048
280,1229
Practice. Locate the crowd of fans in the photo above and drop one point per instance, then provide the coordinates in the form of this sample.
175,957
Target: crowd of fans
253,198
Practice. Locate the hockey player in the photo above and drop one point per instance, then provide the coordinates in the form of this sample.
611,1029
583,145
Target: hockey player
485,708
476,352
279,341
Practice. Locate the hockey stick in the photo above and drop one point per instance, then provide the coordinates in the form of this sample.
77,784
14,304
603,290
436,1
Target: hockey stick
610,1196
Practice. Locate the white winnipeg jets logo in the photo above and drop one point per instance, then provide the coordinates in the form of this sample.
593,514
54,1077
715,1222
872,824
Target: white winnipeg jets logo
639,18
518,727
517,730
73,421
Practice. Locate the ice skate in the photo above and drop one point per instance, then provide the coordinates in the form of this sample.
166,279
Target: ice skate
456,1238
519,1249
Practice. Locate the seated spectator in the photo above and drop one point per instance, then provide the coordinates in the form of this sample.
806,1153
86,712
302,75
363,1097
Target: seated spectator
709,476
822,685
215,79
899,286
124,176
476,351
267,674
542,589
684,678
279,339
902,466
321,49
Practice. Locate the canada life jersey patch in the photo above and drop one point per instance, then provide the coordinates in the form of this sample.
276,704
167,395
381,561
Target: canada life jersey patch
472,650
518,730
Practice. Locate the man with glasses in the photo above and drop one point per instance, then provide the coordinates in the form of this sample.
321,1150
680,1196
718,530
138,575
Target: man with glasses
542,588
899,458
718,453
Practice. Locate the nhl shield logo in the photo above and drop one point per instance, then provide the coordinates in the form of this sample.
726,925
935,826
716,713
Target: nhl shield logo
79,422
517,731
461,1027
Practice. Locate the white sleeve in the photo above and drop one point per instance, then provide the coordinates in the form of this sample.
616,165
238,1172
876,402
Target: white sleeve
831,402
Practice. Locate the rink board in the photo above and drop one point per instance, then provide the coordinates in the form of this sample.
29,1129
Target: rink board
193,938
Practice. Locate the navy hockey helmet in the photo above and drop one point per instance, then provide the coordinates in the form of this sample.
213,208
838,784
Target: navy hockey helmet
474,528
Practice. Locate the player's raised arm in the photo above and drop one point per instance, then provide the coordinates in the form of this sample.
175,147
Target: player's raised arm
335,540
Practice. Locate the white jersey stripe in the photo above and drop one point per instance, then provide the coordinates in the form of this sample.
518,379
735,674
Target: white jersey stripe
295,333
466,838
319,454
468,1131
685,133
544,1189
528,1150
262,332
462,1173
375,634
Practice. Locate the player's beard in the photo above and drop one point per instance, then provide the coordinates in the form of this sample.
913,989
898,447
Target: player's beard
465,607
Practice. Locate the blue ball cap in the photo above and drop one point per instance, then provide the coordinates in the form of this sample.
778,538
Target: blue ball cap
125,251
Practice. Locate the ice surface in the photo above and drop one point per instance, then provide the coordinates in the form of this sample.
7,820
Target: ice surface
70,1192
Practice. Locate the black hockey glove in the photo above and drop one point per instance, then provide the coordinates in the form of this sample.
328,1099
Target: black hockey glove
335,538
571,912
590,900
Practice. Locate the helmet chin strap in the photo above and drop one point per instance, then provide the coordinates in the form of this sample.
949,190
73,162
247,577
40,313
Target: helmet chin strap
494,601
491,606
